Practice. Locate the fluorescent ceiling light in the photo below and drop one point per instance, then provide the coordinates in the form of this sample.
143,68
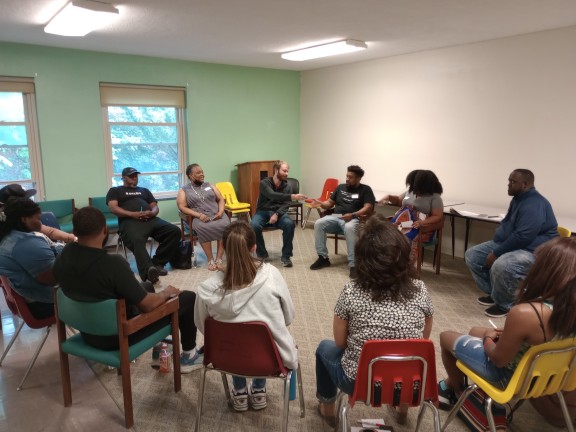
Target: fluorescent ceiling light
330,49
80,17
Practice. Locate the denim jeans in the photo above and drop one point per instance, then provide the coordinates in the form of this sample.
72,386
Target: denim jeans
470,351
240,382
329,373
335,225
501,280
285,223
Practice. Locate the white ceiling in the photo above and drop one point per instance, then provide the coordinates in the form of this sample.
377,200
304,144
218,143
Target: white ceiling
255,32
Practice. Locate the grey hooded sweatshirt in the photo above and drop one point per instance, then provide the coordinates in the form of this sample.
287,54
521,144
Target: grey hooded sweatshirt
267,299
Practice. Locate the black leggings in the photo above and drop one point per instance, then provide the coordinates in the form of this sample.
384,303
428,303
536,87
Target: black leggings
41,310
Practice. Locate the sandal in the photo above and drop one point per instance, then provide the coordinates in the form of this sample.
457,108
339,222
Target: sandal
212,265
330,420
219,264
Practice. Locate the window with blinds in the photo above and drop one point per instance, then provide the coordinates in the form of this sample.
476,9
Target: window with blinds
19,141
145,129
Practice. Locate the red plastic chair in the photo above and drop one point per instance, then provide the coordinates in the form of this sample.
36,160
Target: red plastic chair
394,372
19,307
330,186
248,350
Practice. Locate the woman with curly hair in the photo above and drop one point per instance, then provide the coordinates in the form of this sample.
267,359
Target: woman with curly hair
384,301
421,203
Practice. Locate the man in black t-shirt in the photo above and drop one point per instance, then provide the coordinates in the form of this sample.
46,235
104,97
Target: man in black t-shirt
137,212
350,201
87,273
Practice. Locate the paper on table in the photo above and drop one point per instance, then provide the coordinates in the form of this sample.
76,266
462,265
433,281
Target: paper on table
465,213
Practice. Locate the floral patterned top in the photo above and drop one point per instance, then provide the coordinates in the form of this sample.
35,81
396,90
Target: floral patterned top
385,319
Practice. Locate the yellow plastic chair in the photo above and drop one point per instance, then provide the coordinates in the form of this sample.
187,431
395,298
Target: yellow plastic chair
564,232
545,369
233,207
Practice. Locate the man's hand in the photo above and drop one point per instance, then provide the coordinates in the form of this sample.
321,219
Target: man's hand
273,219
298,197
171,291
315,203
347,217
217,216
490,260
145,215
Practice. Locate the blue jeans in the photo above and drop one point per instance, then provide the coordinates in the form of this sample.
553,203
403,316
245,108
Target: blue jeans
470,351
239,383
501,280
329,373
335,225
285,223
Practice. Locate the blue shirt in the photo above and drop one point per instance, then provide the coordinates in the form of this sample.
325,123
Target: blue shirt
530,221
23,256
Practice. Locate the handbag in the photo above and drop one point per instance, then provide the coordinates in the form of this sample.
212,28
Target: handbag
473,413
183,258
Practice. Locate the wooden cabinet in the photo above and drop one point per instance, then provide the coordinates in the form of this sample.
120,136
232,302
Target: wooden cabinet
249,176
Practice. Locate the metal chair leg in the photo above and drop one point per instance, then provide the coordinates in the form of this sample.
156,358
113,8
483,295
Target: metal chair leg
12,341
305,218
567,417
286,401
459,403
200,400
300,392
34,358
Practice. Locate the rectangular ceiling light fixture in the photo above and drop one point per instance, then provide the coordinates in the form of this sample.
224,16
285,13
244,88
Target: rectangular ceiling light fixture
330,49
80,17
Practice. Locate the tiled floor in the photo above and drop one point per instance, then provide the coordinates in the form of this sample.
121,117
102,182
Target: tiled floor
39,405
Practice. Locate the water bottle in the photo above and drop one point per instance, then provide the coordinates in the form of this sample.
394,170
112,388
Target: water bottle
293,385
165,358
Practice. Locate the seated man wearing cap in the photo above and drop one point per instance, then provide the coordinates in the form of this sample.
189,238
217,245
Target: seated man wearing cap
16,190
137,212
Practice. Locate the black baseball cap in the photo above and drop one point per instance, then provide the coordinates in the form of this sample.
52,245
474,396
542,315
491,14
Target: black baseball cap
128,171
15,190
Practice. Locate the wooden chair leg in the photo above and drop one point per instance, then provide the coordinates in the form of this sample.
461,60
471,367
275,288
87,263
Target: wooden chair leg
65,376
127,392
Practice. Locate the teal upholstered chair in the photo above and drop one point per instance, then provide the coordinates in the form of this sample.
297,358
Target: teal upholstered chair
108,318
111,218
63,210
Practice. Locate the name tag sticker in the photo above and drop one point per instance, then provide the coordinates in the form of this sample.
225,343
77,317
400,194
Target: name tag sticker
355,196
207,188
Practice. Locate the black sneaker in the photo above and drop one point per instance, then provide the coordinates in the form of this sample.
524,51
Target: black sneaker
161,270
446,396
286,262
496,312
486,300
153,275
353,273
264,258
321,262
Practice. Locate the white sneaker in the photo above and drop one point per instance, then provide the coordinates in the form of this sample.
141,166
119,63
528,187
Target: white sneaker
240,400
257,398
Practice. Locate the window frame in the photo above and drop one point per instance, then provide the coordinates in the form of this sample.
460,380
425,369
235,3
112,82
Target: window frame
27,88
123,95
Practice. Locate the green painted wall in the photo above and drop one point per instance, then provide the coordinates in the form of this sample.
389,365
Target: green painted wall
235,114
